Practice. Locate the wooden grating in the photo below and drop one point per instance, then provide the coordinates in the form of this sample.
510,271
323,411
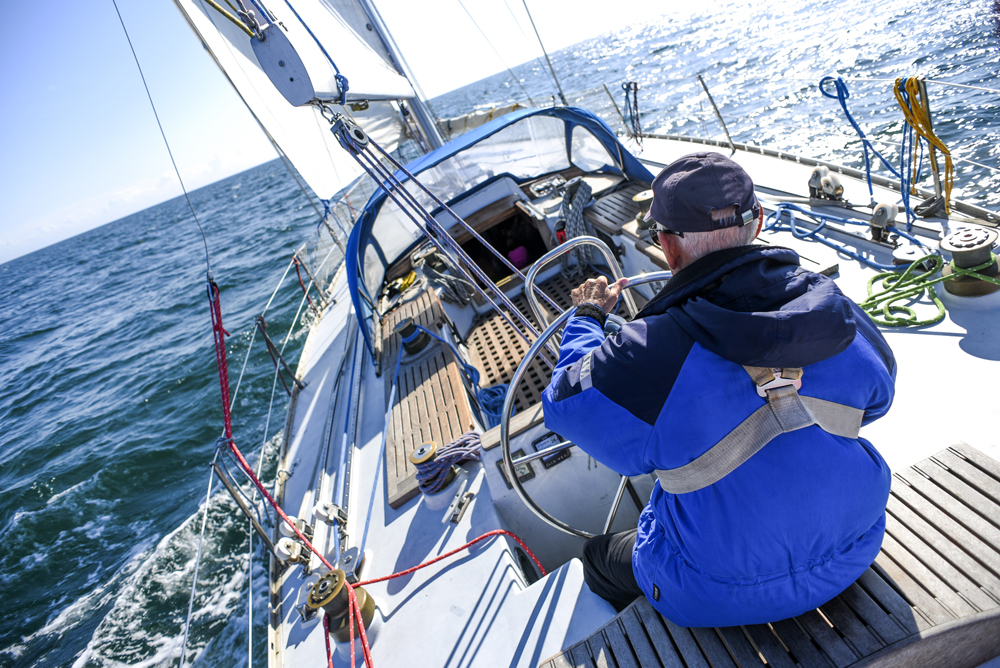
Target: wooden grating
611,212
934,588
496,349
431,401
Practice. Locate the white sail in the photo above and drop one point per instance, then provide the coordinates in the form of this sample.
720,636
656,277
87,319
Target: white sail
301,131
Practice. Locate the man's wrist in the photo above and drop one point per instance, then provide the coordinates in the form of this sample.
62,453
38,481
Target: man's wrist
591,310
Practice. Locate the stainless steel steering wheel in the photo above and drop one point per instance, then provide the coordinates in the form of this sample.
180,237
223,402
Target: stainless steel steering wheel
533,351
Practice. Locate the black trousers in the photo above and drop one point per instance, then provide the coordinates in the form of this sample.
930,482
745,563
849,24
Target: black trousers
607,568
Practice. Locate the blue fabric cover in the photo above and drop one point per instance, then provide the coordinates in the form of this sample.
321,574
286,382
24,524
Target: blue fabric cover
800,520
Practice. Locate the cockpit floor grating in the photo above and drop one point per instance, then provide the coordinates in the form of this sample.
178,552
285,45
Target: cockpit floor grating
496,349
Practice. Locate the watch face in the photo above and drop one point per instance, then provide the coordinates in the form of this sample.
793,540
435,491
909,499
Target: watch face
548,441
524,471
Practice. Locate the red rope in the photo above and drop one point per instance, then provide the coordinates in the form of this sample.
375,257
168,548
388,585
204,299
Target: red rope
488,534
219,334
305,290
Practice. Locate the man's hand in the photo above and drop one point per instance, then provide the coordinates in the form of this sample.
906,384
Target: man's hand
597,291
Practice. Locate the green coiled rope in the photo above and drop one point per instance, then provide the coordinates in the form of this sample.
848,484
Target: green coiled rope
910,286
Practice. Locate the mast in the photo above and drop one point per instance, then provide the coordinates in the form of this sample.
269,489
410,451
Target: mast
421,111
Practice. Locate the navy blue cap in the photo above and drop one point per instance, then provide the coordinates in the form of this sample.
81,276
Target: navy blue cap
688,190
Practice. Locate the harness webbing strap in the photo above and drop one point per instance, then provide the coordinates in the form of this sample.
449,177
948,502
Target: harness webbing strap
785,411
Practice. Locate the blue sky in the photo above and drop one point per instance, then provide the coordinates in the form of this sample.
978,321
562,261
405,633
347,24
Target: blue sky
80,143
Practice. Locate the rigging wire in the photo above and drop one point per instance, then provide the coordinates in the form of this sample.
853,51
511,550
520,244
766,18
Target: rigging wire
545,53
163,134
512,75
541,65
219,8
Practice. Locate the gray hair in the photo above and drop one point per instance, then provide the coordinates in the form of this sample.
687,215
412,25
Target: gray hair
695,245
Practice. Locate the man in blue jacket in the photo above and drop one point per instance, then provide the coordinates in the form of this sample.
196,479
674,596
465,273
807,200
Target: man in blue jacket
741,386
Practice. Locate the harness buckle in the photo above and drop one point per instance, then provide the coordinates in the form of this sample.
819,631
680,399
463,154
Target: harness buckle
778,381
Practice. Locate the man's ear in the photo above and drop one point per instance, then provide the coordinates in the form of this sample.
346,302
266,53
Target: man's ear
760,224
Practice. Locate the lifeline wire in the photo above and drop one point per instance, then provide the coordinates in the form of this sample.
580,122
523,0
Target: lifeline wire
163,134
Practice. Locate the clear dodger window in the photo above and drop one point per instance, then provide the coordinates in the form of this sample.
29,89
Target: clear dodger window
587,152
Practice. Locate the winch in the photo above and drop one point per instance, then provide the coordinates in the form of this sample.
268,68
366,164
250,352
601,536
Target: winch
971,247
414,340
330,593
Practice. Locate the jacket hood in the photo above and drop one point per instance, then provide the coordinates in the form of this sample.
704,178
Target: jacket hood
755,306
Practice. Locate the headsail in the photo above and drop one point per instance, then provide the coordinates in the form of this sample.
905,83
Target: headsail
301,131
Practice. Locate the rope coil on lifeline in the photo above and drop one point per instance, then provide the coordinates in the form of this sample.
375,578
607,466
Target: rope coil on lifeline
632,123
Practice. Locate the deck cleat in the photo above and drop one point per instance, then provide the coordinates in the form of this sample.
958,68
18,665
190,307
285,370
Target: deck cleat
910,253
330,593
971,247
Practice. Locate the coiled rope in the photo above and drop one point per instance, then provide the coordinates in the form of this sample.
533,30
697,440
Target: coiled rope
575,199
841,95
432,475
632,123
916,111
910,286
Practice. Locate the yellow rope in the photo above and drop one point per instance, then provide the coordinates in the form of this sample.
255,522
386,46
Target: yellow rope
917,114
217,7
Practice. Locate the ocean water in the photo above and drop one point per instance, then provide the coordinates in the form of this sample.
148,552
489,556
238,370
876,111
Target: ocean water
109,403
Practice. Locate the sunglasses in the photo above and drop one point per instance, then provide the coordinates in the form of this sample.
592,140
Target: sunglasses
656,227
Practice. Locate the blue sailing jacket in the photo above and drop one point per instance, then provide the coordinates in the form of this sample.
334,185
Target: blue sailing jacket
800,520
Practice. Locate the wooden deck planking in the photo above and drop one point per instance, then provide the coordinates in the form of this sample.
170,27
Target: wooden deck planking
669,654
612,211
431,403
769,646
930,572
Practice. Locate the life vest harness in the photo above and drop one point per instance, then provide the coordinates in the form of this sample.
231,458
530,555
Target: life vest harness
785,411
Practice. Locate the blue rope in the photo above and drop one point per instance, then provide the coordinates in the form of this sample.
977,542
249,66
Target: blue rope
788,211
841,96
342,83
905,182
490,399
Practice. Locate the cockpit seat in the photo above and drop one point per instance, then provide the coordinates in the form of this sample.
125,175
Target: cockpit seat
932,597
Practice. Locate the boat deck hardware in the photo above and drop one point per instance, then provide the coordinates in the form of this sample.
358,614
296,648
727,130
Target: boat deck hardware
432,402
971,247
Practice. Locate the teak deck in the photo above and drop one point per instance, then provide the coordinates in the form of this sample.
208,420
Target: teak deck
932,597
431,402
